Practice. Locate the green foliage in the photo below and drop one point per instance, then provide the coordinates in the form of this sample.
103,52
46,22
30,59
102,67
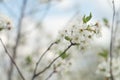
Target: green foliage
86,18
1,28
104,54
67,38
105,21
28,60
57,41
64,56
58,65
103,70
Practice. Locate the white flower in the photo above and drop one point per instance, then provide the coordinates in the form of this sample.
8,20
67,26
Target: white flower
104,68
80,33
5,22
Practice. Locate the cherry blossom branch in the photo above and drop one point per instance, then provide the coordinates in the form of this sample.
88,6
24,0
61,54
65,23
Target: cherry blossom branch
38,62
12,60
17,38
55,59
48,6
111,42
51,74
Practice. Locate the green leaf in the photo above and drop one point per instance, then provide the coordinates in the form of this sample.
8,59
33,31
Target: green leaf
57,41
104,54
103,70
67,38
1,28
28,59
105,21
64,56
58,64
86,19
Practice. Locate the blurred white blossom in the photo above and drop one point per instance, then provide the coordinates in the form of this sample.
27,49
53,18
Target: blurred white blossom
80,33
104,68
5,22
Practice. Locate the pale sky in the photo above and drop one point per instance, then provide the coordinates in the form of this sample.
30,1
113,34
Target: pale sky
61,12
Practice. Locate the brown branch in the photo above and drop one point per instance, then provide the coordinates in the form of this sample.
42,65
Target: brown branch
51,74
111,42
36,66
117,23
46,68
18,38
12,60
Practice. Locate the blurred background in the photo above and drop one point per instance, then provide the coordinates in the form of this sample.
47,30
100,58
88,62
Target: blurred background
35,24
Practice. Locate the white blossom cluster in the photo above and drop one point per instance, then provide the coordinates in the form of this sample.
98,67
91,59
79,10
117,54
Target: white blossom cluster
5,22
80,33
104,68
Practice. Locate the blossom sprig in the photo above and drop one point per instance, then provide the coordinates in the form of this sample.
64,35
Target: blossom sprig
81,32
104,68
5,23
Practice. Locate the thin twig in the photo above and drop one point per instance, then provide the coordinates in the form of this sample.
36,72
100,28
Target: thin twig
111,42
117,24
46,68
48,6
12,60
51,74
36,66
18,37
